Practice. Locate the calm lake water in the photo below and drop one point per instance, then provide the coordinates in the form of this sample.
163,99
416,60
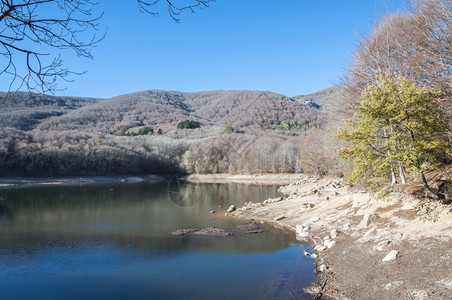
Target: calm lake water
114,241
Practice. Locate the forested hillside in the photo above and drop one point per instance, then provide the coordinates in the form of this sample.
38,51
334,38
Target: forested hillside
24,110
239,131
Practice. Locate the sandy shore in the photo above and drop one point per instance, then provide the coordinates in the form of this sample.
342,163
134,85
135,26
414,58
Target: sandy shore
261,179
396,248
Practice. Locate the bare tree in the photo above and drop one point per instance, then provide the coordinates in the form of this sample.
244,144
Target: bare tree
174,9
416,43
29,29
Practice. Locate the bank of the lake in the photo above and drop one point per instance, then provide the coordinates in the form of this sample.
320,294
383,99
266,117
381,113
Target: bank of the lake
396,248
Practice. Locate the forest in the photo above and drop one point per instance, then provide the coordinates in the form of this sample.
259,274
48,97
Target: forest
155,132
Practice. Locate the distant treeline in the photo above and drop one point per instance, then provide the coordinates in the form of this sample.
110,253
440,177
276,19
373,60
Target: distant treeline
74,153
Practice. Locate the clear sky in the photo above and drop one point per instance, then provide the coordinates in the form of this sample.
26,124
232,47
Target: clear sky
290,47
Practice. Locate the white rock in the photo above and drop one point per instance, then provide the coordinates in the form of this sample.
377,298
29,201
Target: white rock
346,226
231,208
314,219
390,256
367,220
314,255
322,268
382,245
212,211
279,218
329,243
299,228
306,228
319,248
368,232
334,233
303,234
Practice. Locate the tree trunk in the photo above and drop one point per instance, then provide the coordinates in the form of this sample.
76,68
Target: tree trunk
393,177
429,190
402,173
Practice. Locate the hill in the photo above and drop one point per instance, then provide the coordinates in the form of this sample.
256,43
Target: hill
324,99
161,108
24,110
241,131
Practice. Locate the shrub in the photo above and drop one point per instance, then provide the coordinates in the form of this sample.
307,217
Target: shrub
188,124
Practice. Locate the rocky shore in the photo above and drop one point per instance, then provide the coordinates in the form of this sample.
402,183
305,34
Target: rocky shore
399,247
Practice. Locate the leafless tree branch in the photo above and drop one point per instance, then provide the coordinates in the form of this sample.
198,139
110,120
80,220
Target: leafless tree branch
174,9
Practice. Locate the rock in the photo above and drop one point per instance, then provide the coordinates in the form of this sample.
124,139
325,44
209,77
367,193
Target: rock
299,228
319,248
346,226
334,233
363,192
212,211
278,218
390,256
248,228
183,231
368,232
314,219
308,205
381,245
210,231
306,228
329,243
303,234
231,208
314,255
322,268
367,220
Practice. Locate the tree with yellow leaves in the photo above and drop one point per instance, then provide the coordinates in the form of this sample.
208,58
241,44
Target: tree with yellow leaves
397,128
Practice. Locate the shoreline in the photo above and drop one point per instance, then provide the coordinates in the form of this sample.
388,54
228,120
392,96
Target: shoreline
223,178
255,179
397,248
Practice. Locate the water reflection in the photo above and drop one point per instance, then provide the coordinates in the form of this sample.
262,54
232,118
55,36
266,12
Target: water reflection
121,234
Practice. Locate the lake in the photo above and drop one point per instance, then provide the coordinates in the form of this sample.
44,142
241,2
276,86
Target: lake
115,241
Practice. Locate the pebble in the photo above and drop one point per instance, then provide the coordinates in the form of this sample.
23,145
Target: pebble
314,219
212,211
322,268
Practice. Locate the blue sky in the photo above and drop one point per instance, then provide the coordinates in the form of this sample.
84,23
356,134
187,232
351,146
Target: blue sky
290,47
